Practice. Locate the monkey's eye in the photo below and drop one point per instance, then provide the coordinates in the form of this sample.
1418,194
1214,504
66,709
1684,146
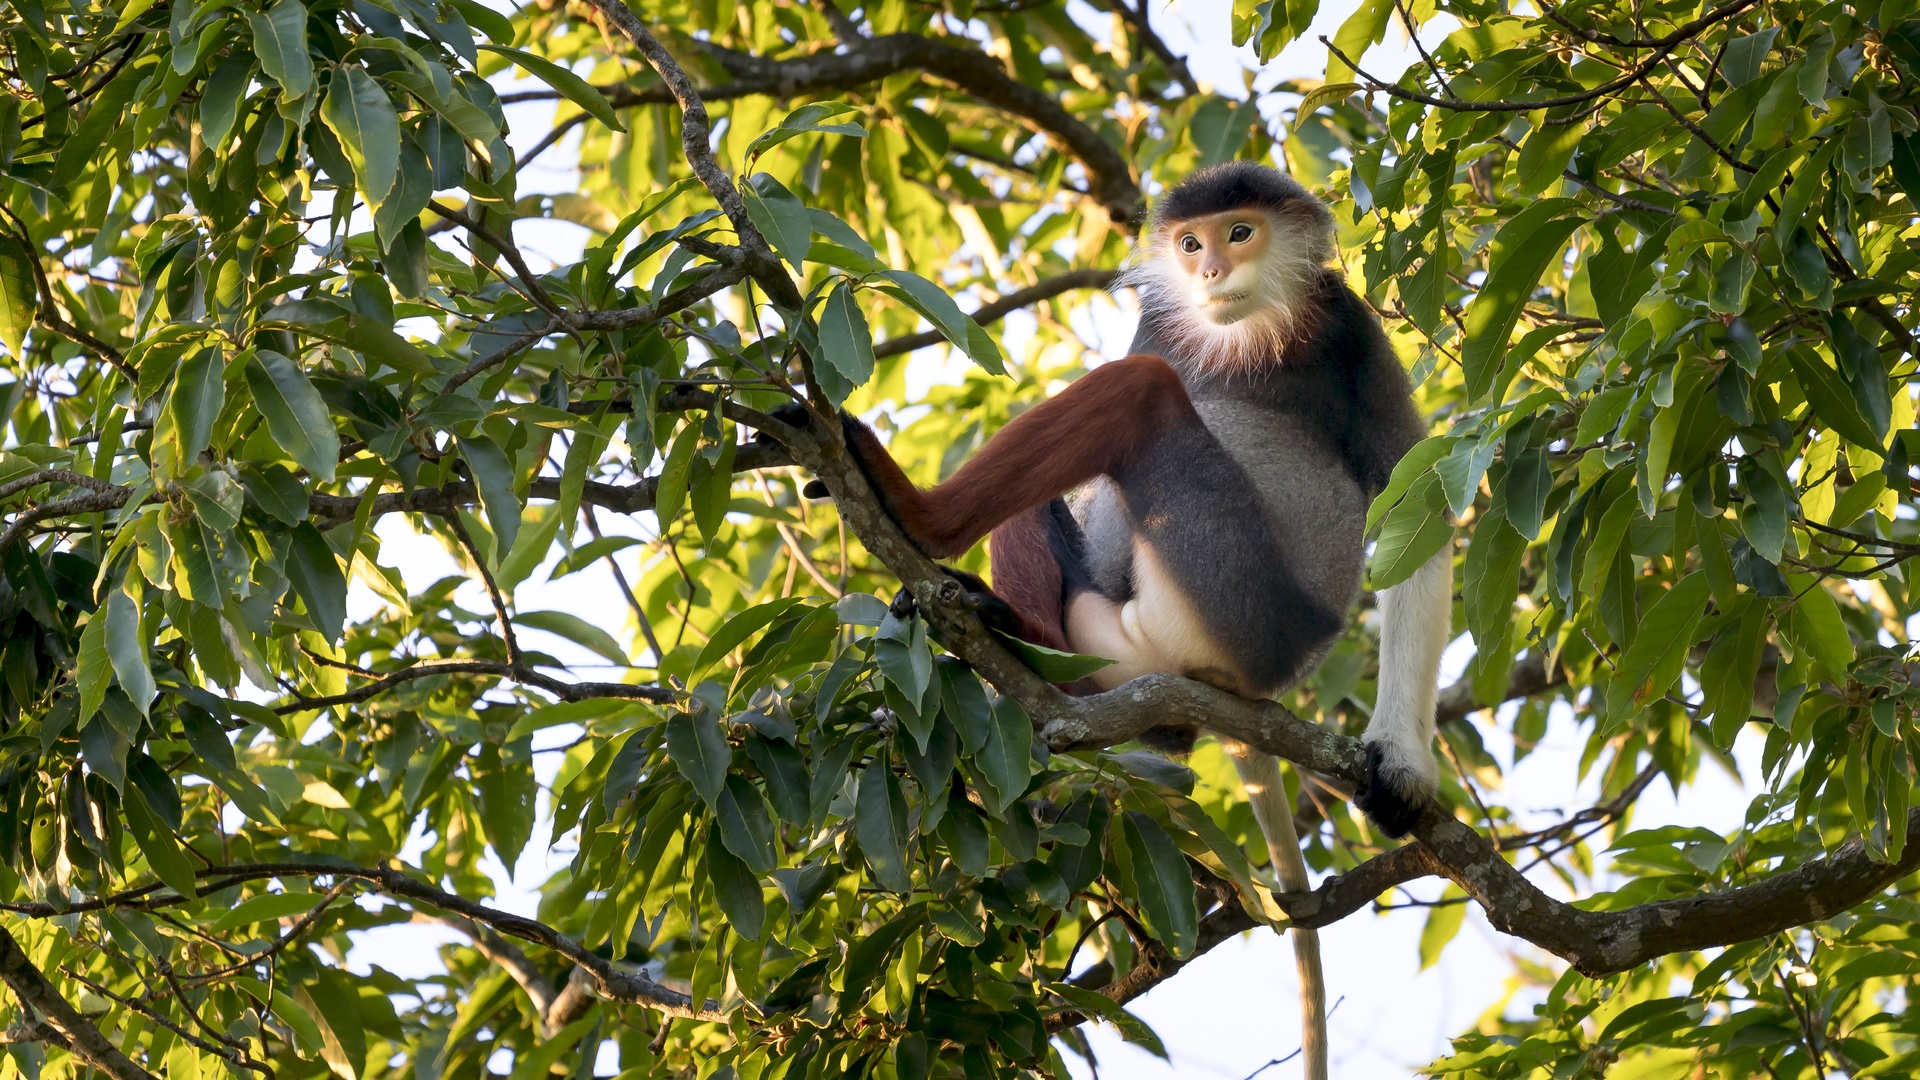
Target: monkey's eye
1189,243
1241,233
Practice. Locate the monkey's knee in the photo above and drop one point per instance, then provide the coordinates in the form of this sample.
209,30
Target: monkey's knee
1097,626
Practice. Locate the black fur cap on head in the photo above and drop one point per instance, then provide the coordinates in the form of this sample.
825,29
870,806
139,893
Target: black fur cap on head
1233,185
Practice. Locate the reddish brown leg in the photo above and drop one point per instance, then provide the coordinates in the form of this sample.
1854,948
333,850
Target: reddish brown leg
1027,576
1084,431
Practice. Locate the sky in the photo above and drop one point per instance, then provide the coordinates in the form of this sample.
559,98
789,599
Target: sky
1234,1010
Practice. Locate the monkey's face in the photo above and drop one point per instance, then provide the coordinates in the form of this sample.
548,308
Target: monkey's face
1222,259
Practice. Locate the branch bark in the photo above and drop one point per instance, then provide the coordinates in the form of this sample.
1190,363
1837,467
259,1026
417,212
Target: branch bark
75,1032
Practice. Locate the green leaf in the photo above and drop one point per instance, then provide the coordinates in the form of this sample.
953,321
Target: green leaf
1733,663
1526,246
1052,664
156,787
494,475
127,648
280,40
806,118
573,87
1006,761
785,773
1411,467
846,342
329,999
1360,31
830,775
577,630
19,295
736,889
699,750
1545,154
1832,400
314,572
1815,624
158,844
1327,93
1659,650
880,824
535,1063
95,671
745,825
264,907
867,957
713,487
670,493
220,100
1414,532
361,115
965,702
295,413
933,302
1152,871
199,392
356,330
1443,923
736,631
1098,1006
780,215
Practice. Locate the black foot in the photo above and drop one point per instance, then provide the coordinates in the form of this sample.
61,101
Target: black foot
1393,812
1173,740
793,415
995,612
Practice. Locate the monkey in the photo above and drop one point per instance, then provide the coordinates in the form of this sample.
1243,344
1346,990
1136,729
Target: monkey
1220,477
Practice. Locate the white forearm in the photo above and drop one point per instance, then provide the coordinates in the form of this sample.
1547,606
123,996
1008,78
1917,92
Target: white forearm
1416,624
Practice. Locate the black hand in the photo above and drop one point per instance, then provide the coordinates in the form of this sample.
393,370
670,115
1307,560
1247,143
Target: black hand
995,612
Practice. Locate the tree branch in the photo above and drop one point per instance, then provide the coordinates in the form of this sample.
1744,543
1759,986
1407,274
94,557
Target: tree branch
565,691
869,60
74,1031
696,140
999,309
1661,48
1111,180
621,498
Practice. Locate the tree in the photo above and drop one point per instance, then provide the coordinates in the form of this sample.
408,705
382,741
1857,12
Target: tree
260,288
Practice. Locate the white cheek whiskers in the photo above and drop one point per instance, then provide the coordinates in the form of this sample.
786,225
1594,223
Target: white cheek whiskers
1283,291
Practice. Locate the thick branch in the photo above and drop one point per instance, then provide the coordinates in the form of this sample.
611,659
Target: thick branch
75,1033
869,60
1111,180
91,503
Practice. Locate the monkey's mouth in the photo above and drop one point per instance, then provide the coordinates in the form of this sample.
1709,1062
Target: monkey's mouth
1226,308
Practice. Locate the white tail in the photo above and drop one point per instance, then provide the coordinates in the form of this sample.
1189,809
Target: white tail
1416,617
1267,794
